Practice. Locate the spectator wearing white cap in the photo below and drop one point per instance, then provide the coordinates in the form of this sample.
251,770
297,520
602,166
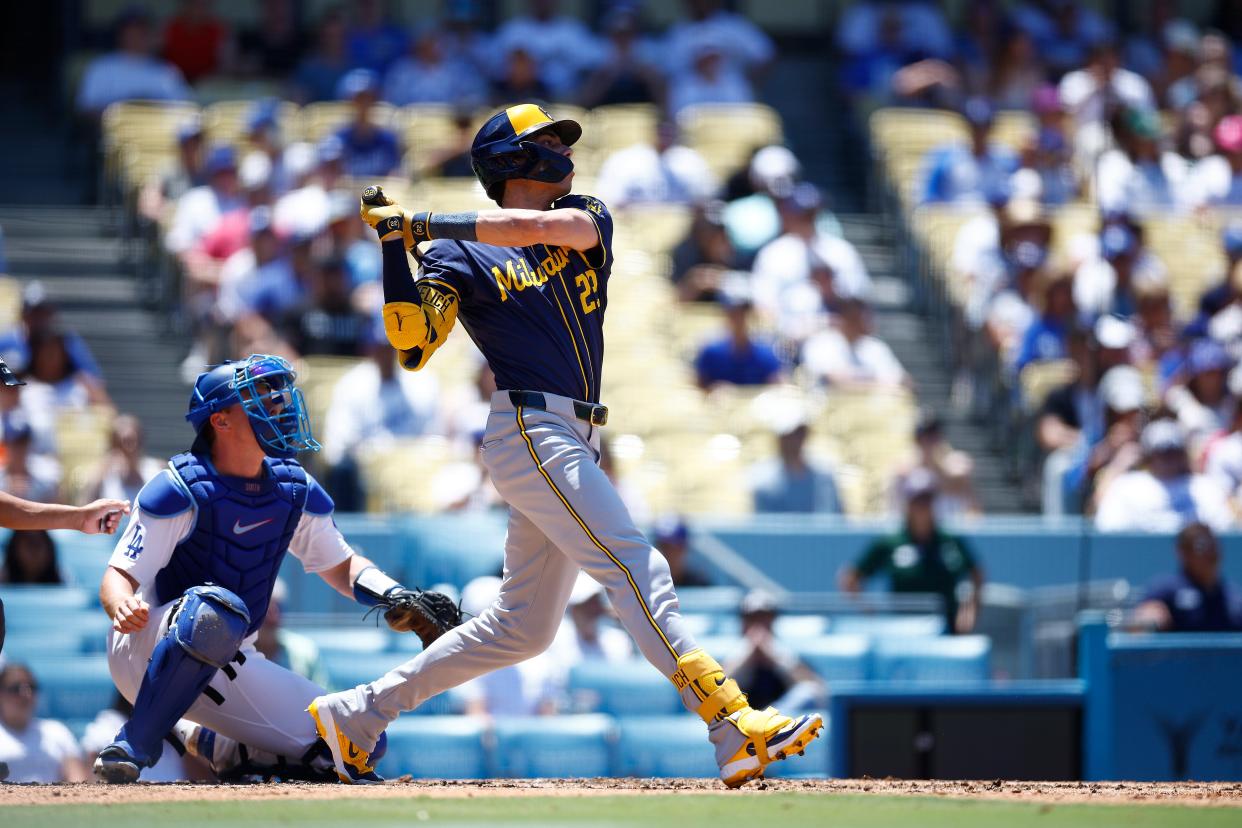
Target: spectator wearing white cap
1164,495
793,481
1092,92
589,636
529,688
1108,284
663,172
1123,396
849,356
958,174
783,268
315,171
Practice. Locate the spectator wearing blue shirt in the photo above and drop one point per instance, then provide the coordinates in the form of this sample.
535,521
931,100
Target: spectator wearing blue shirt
369,149
319,73
966,174
431,75
1048,336
793,482
737,358
38,317
372,41
1196,598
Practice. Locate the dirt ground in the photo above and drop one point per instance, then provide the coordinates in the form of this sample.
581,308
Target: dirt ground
1171,793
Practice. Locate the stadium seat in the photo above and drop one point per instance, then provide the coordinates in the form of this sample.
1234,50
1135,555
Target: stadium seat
836,657
664,746
629,689
353,640
727,134
554,747
943,658
800,626
616,126
74,687
888,626
437,747
31,606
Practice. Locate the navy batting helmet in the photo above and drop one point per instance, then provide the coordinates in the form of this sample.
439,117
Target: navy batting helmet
503,148
263,386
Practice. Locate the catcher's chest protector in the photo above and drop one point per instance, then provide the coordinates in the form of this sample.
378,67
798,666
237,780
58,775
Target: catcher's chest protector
242,529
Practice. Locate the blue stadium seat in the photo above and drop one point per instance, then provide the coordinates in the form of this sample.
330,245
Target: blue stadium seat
24,645
76,687
664,746
346,670
941,658
836,657
718,599
349,639
448,550
721,647
28,607
554,747
889,626
634,688
800,626
437,747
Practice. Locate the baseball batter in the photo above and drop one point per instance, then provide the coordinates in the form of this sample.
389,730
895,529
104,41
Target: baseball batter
530,283
189,582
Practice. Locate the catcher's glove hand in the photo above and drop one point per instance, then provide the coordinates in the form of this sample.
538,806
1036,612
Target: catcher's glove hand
428,615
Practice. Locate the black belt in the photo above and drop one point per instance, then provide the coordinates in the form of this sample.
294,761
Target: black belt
596,415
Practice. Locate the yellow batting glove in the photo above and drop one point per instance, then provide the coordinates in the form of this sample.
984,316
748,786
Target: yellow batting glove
385,216
405,325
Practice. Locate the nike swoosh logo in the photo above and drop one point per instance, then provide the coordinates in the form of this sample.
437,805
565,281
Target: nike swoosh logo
238,529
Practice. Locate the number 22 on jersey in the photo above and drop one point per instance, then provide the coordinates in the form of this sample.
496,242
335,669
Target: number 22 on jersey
588,282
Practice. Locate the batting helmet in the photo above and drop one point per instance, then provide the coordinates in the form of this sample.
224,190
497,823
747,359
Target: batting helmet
503,148
263,386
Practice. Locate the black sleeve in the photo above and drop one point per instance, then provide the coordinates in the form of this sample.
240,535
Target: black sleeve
398,281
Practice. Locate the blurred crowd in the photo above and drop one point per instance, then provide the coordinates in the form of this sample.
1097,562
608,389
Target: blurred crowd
1135,394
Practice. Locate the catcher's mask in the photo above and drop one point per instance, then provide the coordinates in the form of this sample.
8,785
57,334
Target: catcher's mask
263,386
504,148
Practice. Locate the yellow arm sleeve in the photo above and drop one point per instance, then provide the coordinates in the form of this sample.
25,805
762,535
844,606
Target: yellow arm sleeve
421,329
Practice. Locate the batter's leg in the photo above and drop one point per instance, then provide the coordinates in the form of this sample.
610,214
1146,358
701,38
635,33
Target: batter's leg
533,595
547,470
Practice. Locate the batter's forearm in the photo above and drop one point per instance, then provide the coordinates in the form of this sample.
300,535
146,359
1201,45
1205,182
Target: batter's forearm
520,228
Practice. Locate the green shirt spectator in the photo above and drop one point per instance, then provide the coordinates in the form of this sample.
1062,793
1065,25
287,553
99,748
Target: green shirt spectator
922,557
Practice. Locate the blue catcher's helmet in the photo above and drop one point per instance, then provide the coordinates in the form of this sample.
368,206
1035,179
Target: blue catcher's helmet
503,148
263,386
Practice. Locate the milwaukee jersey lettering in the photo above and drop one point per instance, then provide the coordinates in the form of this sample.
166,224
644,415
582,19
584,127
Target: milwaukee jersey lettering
537,312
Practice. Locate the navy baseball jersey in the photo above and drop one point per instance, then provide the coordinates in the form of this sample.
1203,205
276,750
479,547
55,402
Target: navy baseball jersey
537,312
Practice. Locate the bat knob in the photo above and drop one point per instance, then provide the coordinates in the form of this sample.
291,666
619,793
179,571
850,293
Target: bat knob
373,195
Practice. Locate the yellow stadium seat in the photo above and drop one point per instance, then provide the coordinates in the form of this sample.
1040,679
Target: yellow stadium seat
727,134
81,443
617,126
1039,379
225,121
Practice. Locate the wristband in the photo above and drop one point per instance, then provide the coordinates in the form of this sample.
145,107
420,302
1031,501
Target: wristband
392,224
460,226
372,585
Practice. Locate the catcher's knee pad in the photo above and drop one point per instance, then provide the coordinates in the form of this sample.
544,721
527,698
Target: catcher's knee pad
210,624
704,687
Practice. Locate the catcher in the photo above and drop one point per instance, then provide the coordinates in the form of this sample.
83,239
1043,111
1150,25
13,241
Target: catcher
190,579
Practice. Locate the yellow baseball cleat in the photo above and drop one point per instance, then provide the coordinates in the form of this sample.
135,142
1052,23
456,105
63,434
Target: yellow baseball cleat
351,762
757,738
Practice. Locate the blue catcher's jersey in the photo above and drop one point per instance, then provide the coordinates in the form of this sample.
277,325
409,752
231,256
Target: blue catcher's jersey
536,313
241,527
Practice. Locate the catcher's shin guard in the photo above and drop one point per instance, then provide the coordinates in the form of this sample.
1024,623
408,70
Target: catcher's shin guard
746,740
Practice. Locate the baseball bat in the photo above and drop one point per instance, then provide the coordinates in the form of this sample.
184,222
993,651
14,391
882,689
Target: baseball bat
373,195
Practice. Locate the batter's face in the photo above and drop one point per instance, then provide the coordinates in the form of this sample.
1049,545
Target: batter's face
552,141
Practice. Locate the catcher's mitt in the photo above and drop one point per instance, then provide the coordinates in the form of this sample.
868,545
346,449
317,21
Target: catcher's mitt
427,614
